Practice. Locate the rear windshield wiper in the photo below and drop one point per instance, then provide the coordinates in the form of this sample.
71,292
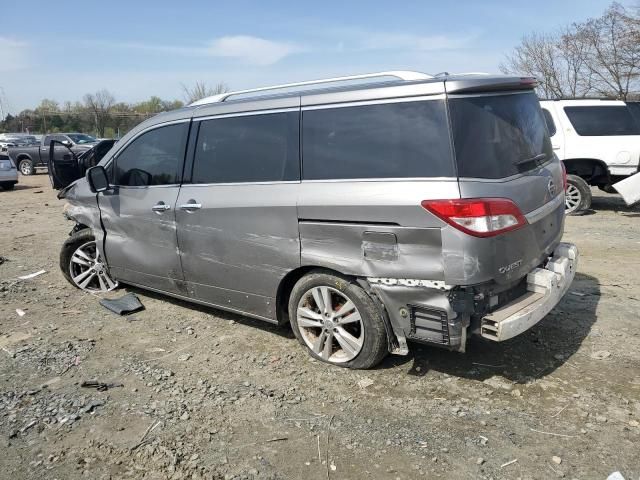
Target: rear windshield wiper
538,159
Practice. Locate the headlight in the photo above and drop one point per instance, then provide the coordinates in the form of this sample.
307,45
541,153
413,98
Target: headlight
66,210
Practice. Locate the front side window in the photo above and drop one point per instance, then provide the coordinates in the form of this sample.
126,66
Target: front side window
81,138
251,148
392,140
497,136
609,120
153,158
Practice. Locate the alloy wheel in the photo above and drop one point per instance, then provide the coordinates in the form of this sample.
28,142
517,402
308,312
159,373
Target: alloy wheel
572,198
330,324
87,270
25,168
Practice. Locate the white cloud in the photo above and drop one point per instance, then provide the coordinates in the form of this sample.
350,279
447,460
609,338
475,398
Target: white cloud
13,54
246,48
253,50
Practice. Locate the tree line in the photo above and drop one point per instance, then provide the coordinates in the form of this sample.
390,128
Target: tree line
599,57
99,113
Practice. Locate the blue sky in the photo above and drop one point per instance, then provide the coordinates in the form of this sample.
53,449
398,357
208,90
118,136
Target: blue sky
137,49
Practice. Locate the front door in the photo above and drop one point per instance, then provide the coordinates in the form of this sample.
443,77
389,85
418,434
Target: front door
138,213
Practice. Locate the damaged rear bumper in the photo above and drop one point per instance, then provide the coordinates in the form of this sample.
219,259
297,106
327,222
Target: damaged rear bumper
545,287
438,314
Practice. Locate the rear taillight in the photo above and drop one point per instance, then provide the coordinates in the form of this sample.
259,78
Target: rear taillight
480,217
564,176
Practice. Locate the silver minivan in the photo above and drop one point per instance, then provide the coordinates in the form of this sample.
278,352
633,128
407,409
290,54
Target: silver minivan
366,211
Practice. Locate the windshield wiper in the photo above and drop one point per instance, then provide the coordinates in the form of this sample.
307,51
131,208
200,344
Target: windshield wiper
540,158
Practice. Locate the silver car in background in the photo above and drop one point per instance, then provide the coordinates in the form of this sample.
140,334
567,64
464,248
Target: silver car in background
8,172
366,211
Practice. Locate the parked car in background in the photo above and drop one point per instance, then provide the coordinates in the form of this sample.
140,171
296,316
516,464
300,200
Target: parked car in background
598,142
420,208
33,157
15,139
8,172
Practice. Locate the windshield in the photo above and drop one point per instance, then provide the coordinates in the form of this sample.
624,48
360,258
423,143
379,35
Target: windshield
80,138
496,136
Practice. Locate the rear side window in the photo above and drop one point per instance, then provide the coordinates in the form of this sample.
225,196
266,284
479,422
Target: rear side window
601,121
551,125
394,140
253,148
153,158
497,136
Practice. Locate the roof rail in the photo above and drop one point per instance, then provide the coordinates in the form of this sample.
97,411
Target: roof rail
400,74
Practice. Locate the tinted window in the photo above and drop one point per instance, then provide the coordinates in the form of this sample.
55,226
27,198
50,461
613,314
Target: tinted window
634,109
154,158
496,136
255,148
601,121
59,138
394,140
551,125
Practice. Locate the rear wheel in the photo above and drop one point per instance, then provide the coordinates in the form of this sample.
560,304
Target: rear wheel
26,167
337,321
82,265
577,197
7,186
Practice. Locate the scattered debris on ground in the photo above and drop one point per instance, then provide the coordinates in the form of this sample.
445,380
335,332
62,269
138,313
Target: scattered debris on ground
128,303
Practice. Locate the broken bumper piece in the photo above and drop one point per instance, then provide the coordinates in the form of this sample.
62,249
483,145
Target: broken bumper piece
545,287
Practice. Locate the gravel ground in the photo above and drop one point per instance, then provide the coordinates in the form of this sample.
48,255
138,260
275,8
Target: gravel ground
191,392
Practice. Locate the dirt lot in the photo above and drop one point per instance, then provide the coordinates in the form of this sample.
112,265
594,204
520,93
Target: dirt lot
207,394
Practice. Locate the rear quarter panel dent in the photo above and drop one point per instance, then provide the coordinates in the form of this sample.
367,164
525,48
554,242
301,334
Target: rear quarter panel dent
343,247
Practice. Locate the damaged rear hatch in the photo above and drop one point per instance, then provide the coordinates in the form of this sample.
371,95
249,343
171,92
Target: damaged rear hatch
503,152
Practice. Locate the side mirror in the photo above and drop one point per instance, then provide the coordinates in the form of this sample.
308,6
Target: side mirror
97,178
66,143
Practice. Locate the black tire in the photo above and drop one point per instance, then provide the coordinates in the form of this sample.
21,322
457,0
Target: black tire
70,245
374,347
578,196
25,166
7,186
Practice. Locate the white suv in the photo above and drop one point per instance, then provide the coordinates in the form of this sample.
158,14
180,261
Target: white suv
598,142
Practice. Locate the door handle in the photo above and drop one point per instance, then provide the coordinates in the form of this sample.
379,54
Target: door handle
191,205
160,207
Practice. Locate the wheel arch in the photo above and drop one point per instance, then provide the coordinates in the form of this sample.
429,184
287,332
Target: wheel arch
286,285
23,156
592,170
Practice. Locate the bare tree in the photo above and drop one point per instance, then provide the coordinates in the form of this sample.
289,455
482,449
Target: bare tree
556,60
100,105
201,90
613,51
600,56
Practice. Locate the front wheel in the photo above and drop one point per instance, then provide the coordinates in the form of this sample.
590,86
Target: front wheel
337,321
7,186
82,265
577,197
